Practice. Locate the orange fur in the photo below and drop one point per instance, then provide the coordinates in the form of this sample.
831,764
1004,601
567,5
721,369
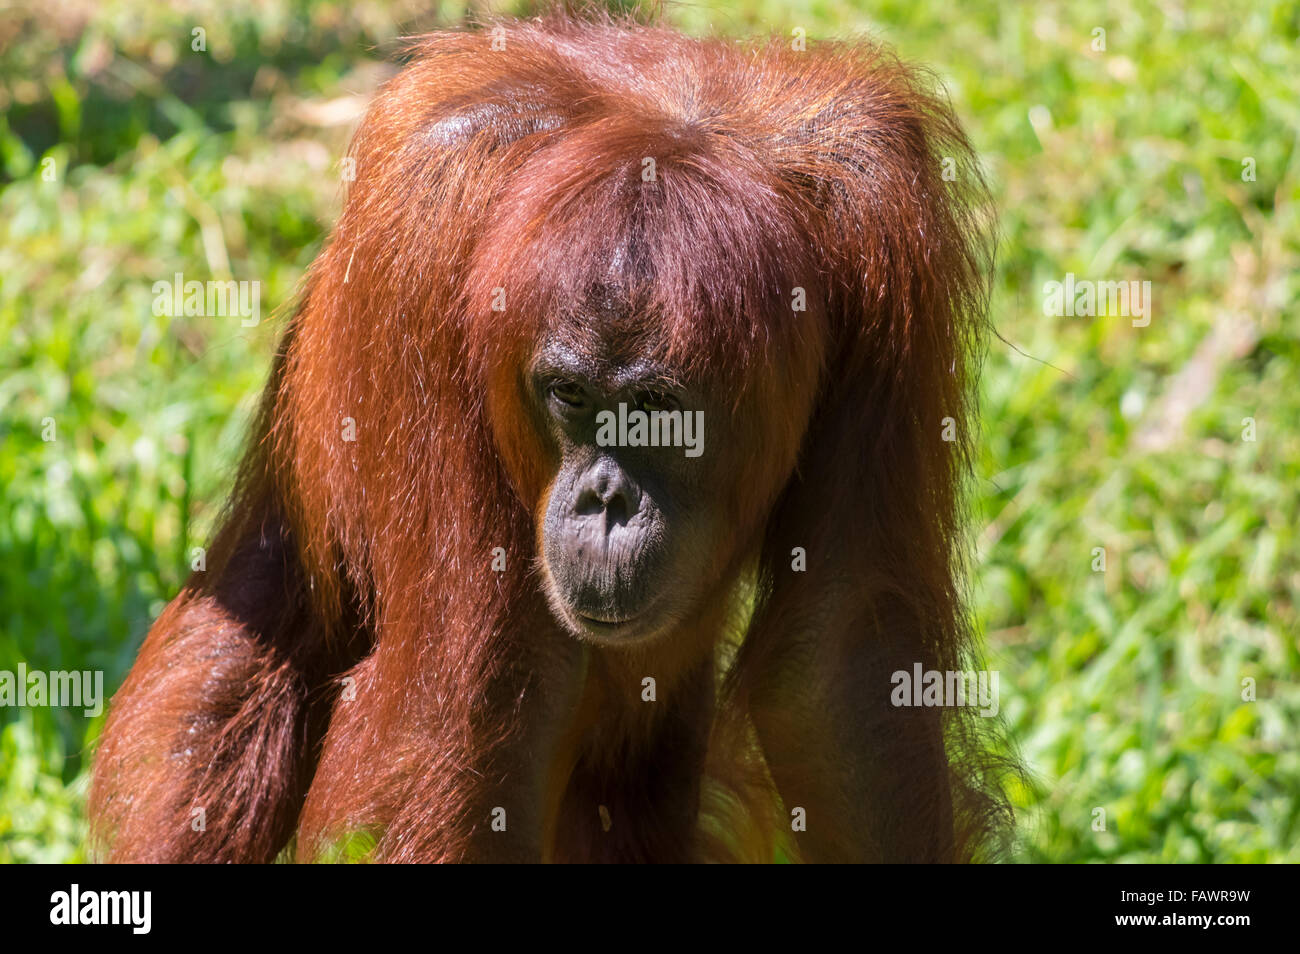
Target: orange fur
477,170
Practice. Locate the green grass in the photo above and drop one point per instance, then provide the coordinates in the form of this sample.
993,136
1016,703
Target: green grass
1123,688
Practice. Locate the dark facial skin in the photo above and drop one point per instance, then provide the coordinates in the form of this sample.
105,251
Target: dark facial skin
628,533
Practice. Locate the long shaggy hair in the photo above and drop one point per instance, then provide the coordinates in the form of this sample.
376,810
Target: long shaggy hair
348,662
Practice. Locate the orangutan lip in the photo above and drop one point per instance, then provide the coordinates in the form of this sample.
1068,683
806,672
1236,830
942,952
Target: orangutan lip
605,623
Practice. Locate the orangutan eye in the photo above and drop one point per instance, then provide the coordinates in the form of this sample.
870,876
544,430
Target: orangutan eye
652,401
568,393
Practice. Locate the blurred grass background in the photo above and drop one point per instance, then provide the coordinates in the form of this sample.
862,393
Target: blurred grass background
1124,688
